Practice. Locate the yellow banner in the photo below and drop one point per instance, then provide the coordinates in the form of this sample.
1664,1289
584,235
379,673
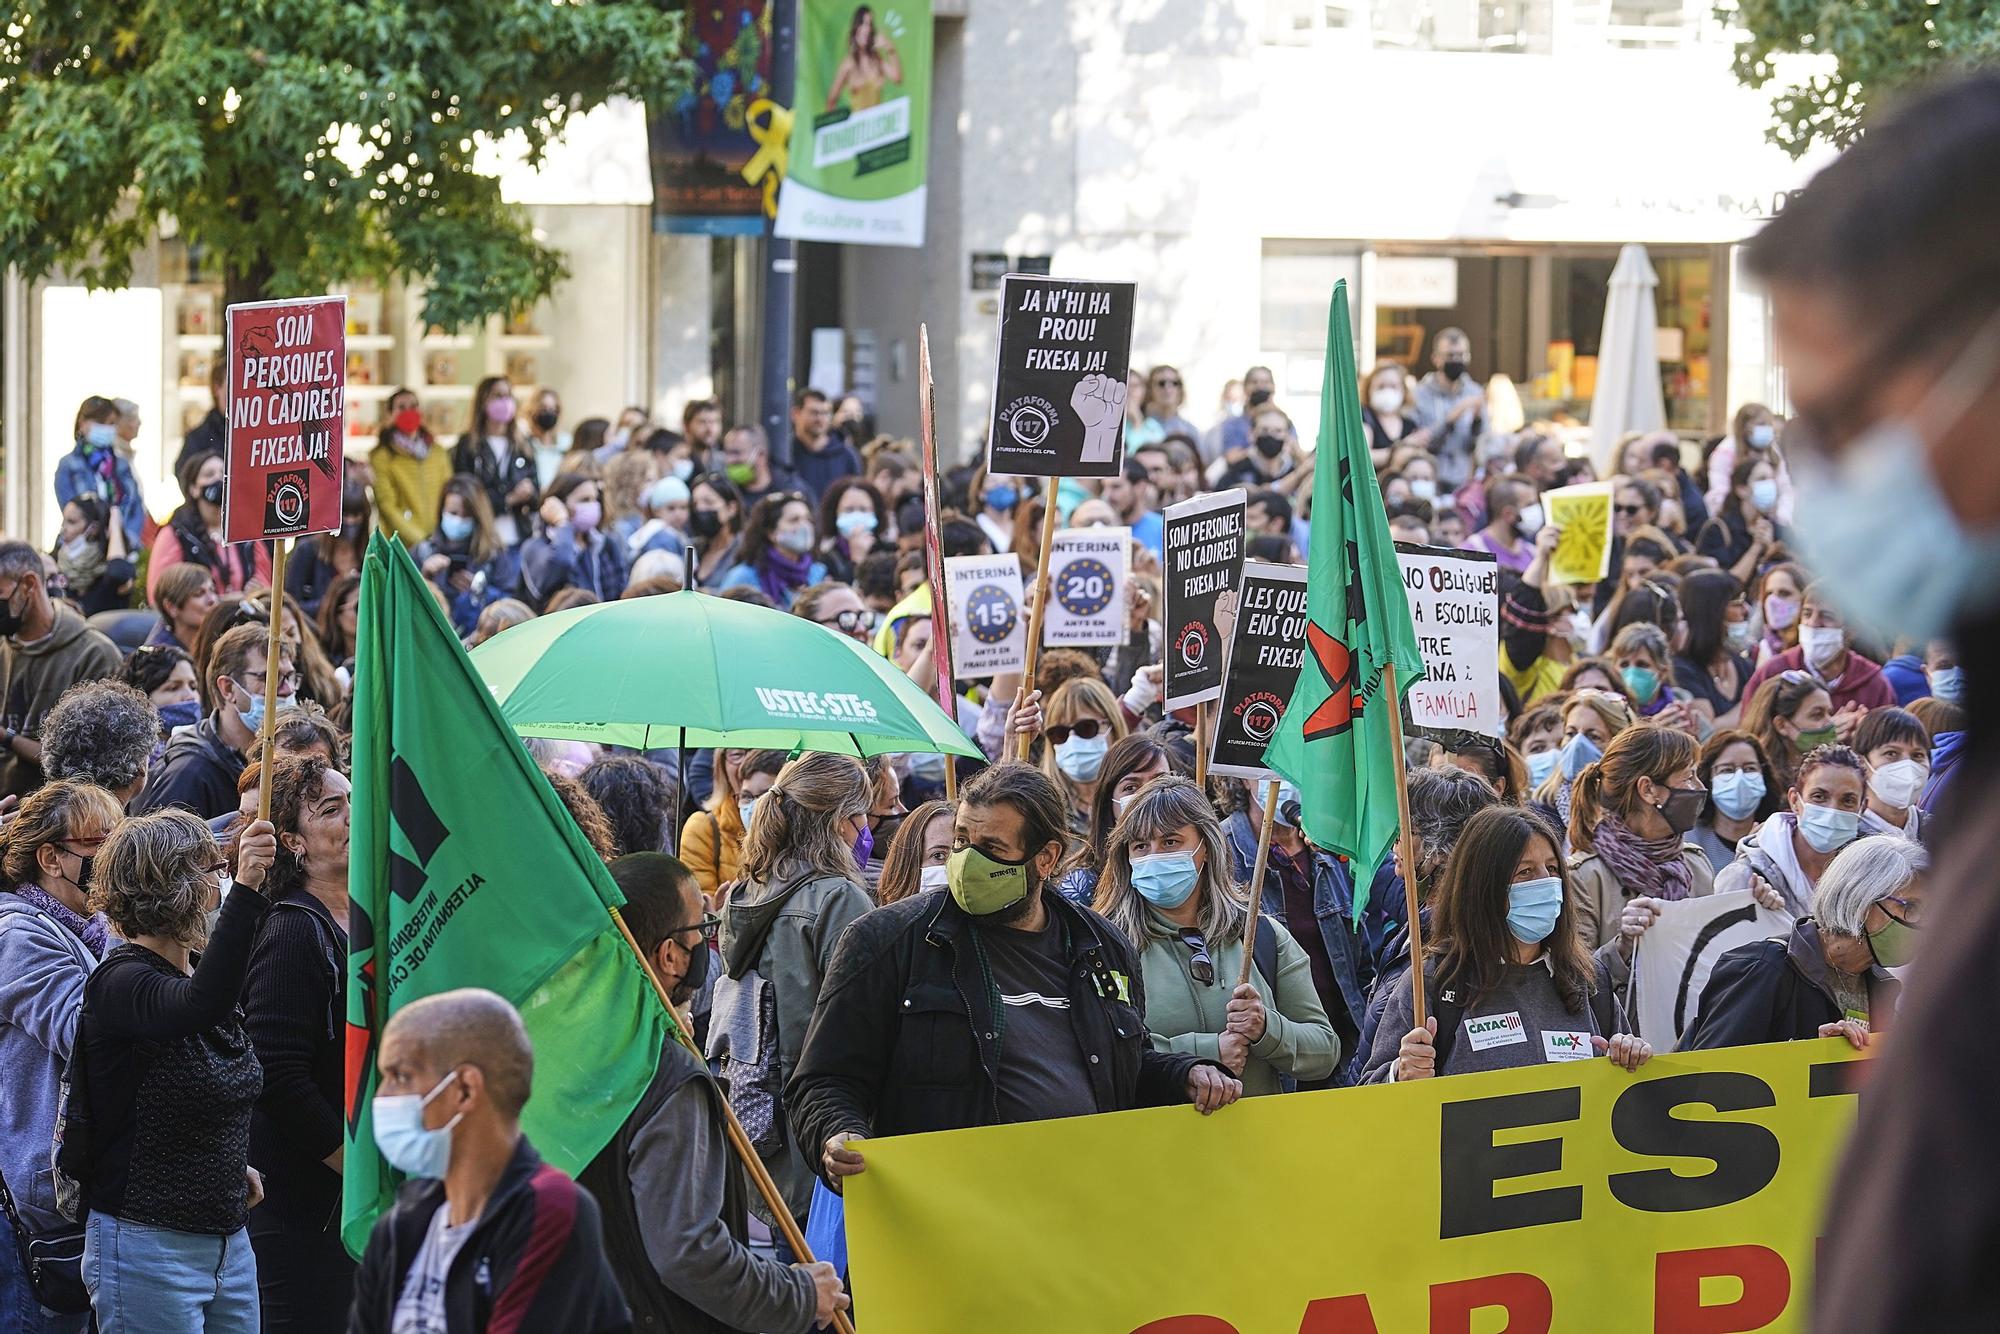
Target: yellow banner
1559,1197
1584,515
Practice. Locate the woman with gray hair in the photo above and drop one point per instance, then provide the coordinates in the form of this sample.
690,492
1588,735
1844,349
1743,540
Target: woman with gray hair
101,732
1165,883
158,1129
802,885
1832,977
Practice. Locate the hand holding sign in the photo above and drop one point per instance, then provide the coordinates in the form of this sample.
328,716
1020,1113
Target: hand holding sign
1099,401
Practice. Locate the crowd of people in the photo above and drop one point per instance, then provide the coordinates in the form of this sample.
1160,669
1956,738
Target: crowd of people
1071,935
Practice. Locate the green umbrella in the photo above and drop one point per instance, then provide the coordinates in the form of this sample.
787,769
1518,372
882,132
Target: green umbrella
691,670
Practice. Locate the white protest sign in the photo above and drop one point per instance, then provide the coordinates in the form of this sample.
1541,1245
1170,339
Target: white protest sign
1087,570
1455,609
989,635
1678,952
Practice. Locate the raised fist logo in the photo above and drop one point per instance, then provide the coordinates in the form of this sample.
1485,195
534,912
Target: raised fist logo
1100,401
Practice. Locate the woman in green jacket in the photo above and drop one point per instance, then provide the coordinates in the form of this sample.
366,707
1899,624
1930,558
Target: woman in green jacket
1165,883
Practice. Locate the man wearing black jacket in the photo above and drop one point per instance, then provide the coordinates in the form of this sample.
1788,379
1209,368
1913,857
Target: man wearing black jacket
199,771
990,1002
502,1240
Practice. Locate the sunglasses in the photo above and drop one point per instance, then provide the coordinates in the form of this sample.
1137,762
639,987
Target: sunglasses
709,925
1630,509
1166,384
1083,728
847,622
1201,965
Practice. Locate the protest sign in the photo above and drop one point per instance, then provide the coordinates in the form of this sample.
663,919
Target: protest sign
287,417
1059,389
1267,644
1086,589
989,635
1560,1196
1455,610
1204,560
717,152
1584,515
1678,952
860,124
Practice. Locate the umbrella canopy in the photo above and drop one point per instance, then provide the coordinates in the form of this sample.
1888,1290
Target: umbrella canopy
1628,396
687,669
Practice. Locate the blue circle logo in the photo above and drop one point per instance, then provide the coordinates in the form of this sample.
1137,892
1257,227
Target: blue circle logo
990,614
1085,586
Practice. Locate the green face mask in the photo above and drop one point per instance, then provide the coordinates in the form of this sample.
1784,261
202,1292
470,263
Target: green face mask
1894,945
741,473
1824,736
983,886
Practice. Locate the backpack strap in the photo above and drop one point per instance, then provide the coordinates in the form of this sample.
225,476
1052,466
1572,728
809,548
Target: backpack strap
1266,950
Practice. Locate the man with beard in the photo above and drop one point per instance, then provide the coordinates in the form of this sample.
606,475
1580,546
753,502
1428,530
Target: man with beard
990,1001
673,1196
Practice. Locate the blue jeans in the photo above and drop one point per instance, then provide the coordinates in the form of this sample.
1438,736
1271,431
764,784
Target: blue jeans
154,1280
20,1313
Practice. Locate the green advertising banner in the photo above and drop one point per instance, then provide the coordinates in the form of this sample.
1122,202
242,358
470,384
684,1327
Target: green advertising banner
861,124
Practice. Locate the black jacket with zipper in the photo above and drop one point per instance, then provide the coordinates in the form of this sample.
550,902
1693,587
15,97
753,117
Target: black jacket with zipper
1775,991
903,1039
535,1260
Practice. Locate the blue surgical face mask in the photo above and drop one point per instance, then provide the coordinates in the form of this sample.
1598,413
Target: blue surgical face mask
1741,636
1541,765
1165,879
745,807
1827,829
1532,908
854,522
682,469
1643,682
100,435
1948,684
796,540
1002,498
455,527
1082,757
1762,435
1856,515
185,714
400,1133
1764,494
1737,795
1577,752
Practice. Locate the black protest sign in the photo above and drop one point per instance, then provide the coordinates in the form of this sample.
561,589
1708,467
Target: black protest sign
1204,547
1059,389
1267,645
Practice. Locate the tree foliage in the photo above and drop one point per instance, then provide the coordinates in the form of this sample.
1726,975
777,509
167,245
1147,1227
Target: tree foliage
1874,47
306,142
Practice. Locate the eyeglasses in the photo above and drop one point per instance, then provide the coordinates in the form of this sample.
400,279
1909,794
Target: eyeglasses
1166,382
1084,728
708,926
1911,911
847,622
291,679
1201,966
1630,509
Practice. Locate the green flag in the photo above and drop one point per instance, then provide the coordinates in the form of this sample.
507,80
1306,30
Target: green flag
466,871
1334,742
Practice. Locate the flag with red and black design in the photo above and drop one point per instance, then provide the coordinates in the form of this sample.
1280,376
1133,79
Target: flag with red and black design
1334,742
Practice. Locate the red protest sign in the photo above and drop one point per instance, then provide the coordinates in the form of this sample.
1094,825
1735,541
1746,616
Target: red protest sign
287,407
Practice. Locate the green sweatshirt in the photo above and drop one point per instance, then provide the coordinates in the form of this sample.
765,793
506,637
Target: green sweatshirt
1185,1016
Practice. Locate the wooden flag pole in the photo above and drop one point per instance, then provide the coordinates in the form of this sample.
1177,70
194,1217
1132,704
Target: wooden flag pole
272,669
1202,722
738,1140
1407,842
1041,601
1257,886
947,686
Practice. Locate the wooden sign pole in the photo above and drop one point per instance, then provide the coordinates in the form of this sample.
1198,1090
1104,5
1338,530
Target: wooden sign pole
1041,601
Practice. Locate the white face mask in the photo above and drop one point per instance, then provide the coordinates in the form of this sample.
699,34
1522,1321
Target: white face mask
933,877
1387,401
1898,782
1530,521
1423,488
1822,644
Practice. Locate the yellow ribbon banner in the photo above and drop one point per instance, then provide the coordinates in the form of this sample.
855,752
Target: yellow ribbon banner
1559,1197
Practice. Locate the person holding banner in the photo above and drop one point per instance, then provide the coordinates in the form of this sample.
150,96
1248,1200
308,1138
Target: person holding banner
1830,978
1791,851
1167,886
1508,978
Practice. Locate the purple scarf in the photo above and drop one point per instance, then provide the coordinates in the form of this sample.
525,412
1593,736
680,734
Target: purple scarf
94,932
1651,866
784,574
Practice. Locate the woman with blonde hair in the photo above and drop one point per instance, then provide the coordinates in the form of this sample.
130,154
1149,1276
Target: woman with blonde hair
1080,722
802,887
1590,721
1166,885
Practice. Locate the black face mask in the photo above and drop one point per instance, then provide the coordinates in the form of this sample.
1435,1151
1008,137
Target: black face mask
212,493
1259,397
545,420
10,619
83,865
697,973
1453,370
1270,446
704,524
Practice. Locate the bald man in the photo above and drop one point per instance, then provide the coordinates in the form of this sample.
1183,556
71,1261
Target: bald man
485,1234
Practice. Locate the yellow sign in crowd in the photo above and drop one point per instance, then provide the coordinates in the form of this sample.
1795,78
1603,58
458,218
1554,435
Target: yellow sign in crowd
1565,1197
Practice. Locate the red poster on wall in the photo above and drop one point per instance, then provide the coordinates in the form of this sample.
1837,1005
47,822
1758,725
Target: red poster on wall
286,397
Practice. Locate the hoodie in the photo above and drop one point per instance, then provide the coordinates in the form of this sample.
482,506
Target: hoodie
784,930
33,677
1860,683
1767,850
198,773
